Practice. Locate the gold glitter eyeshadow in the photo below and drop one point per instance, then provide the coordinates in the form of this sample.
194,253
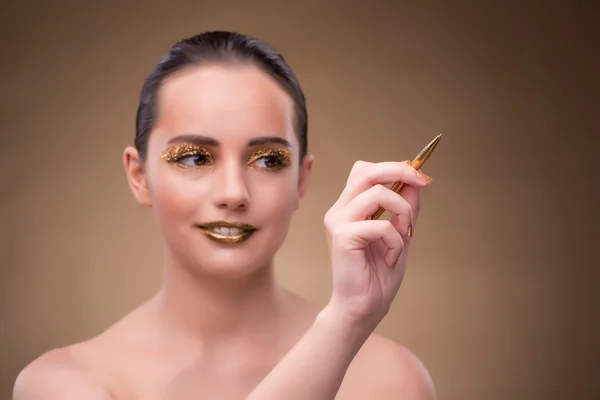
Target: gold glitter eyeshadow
177,153
281,157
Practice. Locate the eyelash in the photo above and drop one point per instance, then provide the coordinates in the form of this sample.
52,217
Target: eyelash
280,157
176,154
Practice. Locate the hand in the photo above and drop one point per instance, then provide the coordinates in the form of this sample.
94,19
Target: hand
369,256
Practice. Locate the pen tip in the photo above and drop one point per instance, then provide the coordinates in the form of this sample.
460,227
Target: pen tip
436,139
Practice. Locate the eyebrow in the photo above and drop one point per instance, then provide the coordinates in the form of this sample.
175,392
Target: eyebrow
205,140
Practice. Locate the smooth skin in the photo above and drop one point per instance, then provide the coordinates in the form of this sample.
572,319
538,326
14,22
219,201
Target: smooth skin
220,326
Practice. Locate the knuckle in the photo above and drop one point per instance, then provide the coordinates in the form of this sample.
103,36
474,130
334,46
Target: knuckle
388,227
358,168
379,190
387,224
395,235
338,235
407,174
327,220
399,243
358,165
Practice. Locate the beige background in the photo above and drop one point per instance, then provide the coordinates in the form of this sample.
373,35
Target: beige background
499,296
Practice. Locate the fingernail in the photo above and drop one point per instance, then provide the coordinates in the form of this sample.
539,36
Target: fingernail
410,230
423,176
393,264
407,162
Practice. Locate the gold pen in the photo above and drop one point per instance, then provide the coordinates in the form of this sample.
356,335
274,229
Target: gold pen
417,163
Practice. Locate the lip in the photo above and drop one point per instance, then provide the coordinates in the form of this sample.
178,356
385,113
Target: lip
248,230
225,224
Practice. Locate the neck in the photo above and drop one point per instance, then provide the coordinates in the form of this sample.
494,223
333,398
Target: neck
220,309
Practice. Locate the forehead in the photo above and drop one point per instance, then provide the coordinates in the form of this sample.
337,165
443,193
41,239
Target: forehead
231,103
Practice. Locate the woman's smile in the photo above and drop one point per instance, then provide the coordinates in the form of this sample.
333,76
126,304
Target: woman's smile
227,232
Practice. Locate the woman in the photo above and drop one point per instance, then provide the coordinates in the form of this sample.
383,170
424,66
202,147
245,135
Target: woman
221,157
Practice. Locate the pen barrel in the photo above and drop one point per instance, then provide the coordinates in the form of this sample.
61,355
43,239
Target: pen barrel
416,164
377,213
396,187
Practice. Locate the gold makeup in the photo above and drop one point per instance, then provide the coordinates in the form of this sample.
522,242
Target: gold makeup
177,153
280,156
417,163
227,232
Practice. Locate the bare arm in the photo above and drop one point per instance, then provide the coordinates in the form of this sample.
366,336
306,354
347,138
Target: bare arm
316,365
368,260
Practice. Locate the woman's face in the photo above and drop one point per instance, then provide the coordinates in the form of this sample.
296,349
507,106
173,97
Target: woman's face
223,151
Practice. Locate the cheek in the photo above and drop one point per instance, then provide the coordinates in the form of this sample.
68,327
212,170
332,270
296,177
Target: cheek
276,196
177,195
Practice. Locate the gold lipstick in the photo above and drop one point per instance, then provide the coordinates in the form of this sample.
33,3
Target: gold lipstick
417,163
227,232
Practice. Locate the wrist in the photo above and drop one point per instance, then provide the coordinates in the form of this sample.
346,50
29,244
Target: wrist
345,326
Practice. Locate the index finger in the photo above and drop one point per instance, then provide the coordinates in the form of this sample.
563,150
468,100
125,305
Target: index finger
382,173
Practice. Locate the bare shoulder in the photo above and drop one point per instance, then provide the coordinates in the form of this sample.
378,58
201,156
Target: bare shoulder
384,369
83,370
57,374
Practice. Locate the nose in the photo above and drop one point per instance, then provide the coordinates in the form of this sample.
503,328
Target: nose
230,191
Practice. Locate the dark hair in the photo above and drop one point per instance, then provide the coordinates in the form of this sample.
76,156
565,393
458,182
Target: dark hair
218,46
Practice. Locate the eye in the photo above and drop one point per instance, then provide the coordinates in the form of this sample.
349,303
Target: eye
268,162
188,156
198,160
270,159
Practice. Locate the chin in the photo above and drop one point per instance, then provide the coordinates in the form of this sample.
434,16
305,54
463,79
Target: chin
229,258
233,264
209,258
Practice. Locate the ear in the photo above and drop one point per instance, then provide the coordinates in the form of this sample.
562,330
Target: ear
136,176
304,178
